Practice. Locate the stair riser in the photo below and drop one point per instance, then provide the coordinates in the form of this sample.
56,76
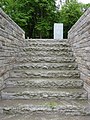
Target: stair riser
64,49
48,66
45,59
27,95
47,43
61,110
45,84
30,74
45,53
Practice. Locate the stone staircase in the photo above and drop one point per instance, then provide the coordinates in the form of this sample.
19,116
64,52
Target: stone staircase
45,80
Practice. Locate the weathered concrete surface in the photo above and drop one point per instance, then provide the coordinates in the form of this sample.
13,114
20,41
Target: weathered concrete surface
11,38
44,83
43,80
34,116
46,53
79,38
47,66
61,107
45,74
40,76
43,93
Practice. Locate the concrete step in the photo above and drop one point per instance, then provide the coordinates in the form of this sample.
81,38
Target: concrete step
47,44
44,83
44,74
43,93
51,41
44,48
49,107
45,53
56,59
43,116
47,66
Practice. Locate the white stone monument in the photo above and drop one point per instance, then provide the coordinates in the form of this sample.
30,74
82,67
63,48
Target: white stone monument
58,30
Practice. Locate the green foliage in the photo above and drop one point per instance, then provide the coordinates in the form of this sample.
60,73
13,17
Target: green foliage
37,17
12,8
86,6
69,14
52,104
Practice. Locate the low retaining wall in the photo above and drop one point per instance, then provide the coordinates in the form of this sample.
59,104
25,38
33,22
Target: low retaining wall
11,40
79,38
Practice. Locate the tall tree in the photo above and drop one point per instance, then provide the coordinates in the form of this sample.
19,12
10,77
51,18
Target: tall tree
69,14
36,17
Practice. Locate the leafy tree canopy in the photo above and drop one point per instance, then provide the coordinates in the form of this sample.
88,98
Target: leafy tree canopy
37,17
69,14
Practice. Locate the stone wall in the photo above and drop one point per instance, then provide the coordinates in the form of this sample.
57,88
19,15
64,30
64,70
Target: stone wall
11,42
79,38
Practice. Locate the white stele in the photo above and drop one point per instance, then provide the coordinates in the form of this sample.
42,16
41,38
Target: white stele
58,30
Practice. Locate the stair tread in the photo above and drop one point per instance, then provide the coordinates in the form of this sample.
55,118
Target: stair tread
46,53
35,116
43,59
49,57
44,79
40,90
66,107
44,48
47,71
47,47
78,103
44,82
47,40
59,64
47,66
47,43
43,64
